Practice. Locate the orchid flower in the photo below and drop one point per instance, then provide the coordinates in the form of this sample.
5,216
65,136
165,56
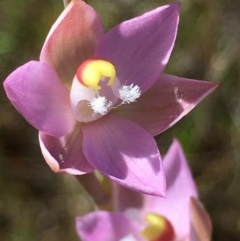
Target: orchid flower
98,99
141,217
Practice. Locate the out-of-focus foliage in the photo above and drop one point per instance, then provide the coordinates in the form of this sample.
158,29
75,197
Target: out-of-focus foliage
36,204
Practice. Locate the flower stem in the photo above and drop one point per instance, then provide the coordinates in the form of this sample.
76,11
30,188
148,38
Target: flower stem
65,2
94,188
124,198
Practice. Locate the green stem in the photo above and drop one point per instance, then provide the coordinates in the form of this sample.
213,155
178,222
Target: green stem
94,188
65,2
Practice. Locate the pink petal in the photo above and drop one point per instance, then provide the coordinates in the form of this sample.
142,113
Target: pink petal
106,226
201,226
72,39
180,187
65,154
37,93
140,48
124,152
166,102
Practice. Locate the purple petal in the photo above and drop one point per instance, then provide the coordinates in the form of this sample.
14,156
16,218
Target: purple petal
166,102
37,93
140,48
106,226
180,188
124,152
201,226
72,39
65,154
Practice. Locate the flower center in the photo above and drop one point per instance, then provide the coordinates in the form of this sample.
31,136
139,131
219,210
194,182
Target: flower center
158,229
96,90
91,71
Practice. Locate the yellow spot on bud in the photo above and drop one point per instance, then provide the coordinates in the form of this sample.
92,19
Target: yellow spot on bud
159,228
92,71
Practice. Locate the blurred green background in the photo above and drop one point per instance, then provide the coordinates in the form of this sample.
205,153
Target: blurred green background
37,204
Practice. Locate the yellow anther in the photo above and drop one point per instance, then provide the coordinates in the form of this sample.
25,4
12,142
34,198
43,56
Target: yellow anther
92,71
159,228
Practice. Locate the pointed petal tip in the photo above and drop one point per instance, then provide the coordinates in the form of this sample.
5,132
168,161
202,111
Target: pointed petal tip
207,88
155,188
176,143
175,5
217,84
214,84
159,193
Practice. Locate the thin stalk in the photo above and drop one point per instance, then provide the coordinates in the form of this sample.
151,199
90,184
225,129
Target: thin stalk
94,188
65,3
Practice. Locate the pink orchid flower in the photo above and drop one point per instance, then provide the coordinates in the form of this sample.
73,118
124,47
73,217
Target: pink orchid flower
86,123
141,217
